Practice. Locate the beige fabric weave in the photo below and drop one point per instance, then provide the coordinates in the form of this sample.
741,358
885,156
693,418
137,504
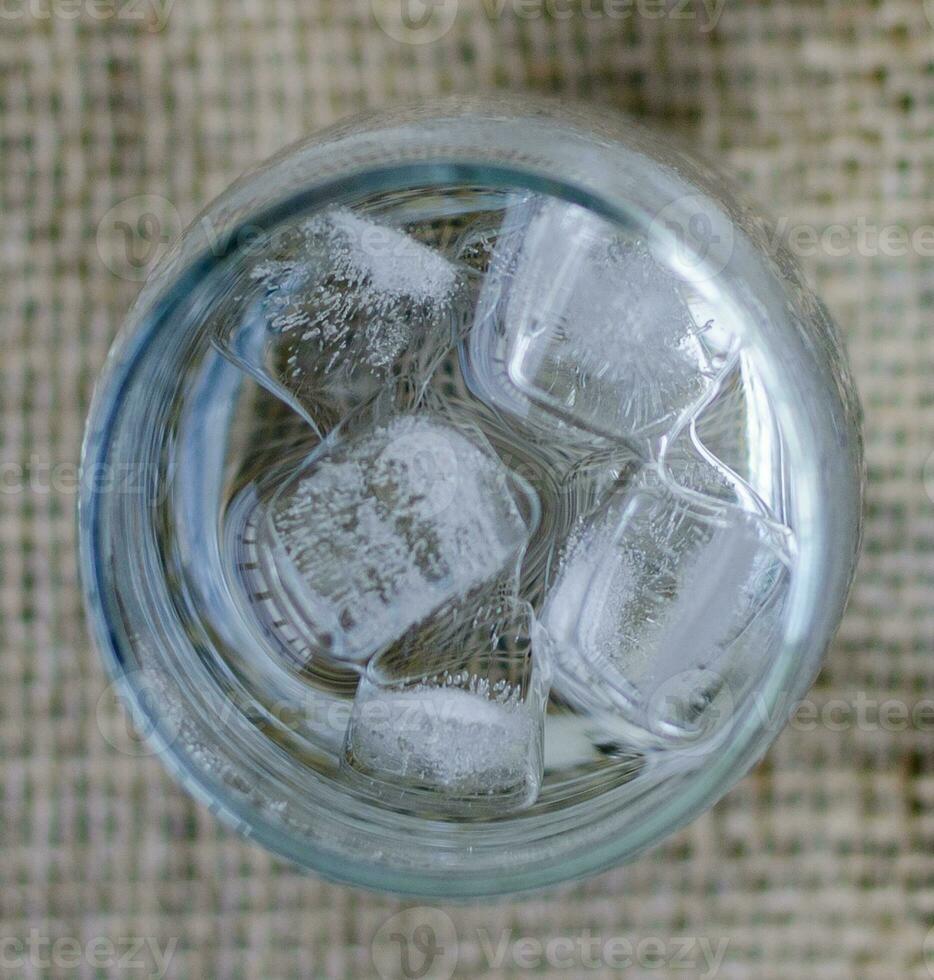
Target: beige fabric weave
821,863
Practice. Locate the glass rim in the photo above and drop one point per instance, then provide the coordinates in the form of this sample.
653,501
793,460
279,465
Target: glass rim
748,739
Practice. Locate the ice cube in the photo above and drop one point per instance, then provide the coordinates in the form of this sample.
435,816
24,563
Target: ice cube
342,305
590,483
542,466
372,537
731,448
577,320
666,609
450,721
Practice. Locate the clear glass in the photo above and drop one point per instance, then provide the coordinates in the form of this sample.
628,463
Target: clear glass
203,448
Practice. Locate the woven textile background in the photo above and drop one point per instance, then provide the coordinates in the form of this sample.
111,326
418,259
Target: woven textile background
821,862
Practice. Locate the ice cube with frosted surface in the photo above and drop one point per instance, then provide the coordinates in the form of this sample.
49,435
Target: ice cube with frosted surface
450,721
371,538
666,609
578,320
338,305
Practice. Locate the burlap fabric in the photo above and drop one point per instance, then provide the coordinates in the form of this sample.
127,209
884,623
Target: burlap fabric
821,863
